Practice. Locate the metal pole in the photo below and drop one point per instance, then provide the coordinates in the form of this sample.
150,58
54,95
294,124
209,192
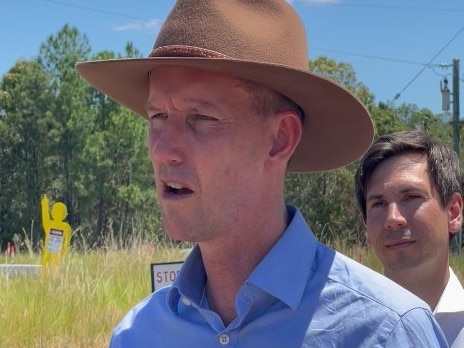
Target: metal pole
456,125
457,242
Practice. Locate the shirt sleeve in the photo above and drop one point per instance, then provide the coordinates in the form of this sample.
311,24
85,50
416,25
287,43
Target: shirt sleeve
417,328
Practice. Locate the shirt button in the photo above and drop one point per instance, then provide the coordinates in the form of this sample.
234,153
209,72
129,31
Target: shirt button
224,339
186,301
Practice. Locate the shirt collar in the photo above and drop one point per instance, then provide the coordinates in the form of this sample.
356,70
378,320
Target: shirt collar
281,273
190,282
284,272
448,300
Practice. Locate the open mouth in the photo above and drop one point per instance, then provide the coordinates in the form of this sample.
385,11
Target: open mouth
177,189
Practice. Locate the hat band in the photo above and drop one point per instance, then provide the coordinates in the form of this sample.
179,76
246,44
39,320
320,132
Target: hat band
185,51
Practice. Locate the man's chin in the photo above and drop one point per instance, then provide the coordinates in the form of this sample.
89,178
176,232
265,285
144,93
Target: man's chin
179,235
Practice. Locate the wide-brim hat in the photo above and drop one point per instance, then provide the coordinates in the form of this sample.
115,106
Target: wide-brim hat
259,40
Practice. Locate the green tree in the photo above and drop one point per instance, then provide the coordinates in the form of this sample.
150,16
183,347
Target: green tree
326,199
60,136
119,202
343,74
58,55
26,134
385,118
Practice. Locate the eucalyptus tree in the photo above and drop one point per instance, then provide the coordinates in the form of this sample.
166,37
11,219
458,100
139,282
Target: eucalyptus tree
326,199
414,117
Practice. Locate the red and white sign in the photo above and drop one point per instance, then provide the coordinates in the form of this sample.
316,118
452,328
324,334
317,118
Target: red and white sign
164,274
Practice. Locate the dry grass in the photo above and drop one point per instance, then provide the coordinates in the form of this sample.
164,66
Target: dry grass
80,305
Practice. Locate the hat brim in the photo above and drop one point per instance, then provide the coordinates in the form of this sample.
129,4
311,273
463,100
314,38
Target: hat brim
337,128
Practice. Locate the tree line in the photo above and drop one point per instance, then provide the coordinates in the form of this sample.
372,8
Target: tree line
60,137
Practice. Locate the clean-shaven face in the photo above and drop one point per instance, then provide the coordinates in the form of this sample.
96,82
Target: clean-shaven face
207,150
406,225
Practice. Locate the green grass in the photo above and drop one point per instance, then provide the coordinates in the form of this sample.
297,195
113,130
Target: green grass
457,263
80,305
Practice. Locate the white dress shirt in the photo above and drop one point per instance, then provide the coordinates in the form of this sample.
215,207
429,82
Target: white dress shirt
449,312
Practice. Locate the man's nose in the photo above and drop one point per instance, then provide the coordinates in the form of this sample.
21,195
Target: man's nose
395,219
167,143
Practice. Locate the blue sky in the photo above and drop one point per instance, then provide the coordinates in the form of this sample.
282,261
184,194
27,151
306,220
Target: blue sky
389,44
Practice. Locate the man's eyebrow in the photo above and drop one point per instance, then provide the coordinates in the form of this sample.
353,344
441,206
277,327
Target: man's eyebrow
150,105
402,191
375,196
195,105
203,104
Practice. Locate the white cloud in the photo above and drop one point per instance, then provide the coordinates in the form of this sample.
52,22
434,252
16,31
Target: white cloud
151,26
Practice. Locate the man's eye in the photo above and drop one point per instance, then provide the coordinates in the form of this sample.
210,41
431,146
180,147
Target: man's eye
200,117
413,196
376,204
159,116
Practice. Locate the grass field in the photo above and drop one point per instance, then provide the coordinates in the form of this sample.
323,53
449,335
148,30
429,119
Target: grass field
80,305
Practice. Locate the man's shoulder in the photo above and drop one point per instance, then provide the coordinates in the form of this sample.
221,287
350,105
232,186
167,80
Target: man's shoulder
366,308
363,282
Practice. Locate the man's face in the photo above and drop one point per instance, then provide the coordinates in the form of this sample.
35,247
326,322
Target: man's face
208,152
406,224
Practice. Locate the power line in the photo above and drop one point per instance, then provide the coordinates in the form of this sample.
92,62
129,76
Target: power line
91,9
401,7
369,56
425,65
397,95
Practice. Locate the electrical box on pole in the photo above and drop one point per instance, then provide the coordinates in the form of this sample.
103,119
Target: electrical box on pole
445,95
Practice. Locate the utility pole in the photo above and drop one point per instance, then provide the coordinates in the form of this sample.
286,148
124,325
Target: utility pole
456,123
455,120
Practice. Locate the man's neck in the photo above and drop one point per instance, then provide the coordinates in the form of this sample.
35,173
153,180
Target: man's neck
428,286
228,263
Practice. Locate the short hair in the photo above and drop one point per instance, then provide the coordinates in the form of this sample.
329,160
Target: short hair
445,171
265,101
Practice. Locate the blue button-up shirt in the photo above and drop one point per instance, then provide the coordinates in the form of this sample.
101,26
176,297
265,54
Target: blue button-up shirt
302,294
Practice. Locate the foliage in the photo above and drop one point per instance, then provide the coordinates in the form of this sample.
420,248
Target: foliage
325,195
27,133
327,199
60,137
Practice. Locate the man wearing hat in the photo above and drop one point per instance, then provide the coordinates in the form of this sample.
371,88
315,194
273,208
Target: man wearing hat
231,106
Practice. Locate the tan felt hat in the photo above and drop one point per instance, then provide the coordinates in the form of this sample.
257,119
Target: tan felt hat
259,40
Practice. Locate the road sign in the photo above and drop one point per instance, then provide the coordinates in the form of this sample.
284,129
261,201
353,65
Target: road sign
164,274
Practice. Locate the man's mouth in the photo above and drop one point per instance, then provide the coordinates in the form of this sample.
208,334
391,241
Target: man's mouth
175,188
400,244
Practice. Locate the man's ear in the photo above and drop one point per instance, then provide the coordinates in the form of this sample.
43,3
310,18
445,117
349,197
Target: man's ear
455,213
287,130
